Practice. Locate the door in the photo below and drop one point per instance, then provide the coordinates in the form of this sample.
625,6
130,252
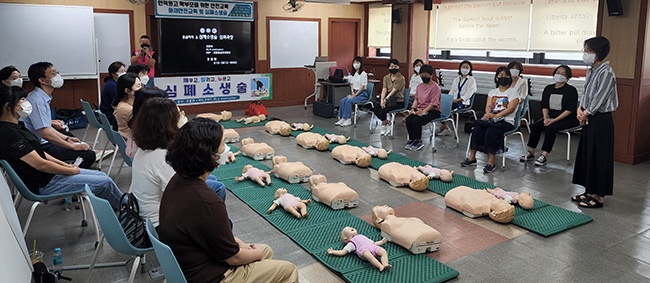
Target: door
343,43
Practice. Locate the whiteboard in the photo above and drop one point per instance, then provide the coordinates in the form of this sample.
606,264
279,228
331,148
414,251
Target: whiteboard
62,35
15,265
294,44
113,43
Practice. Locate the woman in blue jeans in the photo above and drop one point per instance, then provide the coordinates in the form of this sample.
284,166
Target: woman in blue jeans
42,173
358,82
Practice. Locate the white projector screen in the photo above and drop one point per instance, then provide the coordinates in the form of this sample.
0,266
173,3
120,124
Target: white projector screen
562,26
63,35
294,44
486,25
379,25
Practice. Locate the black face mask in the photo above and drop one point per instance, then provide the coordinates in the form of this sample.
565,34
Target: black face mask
426,80
393,71
504,81
144,45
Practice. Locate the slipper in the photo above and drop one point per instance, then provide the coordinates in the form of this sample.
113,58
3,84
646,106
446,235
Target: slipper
590,202
579,198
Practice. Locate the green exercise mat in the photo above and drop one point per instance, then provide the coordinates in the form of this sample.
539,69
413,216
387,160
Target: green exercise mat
442,188
318,214
550,220
329,233
406,269
233,124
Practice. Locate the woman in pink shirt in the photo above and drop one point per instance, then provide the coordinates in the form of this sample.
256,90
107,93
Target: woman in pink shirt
426,107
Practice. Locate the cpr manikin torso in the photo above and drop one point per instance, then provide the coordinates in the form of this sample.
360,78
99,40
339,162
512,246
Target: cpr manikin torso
409,232
476,203
230,136
292,172
436,173
348,154
278,127
252,119
399,175
258,151
335,195
312,140
224,116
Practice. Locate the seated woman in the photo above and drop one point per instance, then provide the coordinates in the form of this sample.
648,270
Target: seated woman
42,173
559,101
426,107
358,83
415,80
519,83
154,127
392,94
206,249
127,85
500,111
109,91
141,96
462,89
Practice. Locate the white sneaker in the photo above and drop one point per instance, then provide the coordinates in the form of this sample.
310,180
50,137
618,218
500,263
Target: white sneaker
339,122
384,130
445,132
346,122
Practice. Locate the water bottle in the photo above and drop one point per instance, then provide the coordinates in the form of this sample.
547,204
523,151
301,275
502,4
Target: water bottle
57,260
67,204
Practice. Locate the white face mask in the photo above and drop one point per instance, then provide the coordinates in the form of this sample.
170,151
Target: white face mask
120,74
223,157
356,66
416,69
514,72
27,109
17,82
559,78
57,81
144,80
464,71
589,58
182,121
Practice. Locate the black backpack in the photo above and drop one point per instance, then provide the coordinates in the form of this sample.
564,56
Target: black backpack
337,77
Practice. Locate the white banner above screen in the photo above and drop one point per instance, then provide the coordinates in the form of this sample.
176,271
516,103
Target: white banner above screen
198,9
379,25
214,89
491,25
562,25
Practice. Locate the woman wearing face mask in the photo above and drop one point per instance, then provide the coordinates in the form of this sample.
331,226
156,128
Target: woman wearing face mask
518,82
358,83
141,96
594,167
392,94
462,89
42,173
559,101
127,86
10,76
154,127
426,107
109,91
487,136
142,71
415,79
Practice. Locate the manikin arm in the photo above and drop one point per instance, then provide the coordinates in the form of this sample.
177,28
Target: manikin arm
381,242
336,252
273,207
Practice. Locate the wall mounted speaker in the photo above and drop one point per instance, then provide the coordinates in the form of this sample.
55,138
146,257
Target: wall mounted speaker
614,7
428,5
397,16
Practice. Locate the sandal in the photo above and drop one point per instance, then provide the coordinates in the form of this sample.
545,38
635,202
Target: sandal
590,202
579,198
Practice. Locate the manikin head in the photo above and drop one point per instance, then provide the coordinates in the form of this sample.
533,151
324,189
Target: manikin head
379,214
262,117
279,192
246,168
363,160
314,180
446,175
322,144
285,131
246,141
419,182
226,115
525,201
382,153
502,211
279,159
347,234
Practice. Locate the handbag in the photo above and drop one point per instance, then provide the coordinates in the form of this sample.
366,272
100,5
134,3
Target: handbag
74,118
131,222
256,108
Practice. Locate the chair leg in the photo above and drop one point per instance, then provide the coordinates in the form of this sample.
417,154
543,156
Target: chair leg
568,148
134,268
110,167
454,125
103,152
468,143
29,218
457,115
503,155
84,221
85,133
142,263
92,264
119,171
523,144
432,139
92,214
99,131
355,115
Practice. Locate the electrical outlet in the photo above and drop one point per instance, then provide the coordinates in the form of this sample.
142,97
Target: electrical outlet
156,273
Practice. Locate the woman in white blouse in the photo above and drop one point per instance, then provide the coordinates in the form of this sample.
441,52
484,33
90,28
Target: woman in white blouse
358,93
518,82
462,89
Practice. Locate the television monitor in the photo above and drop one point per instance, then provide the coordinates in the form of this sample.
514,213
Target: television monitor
196,47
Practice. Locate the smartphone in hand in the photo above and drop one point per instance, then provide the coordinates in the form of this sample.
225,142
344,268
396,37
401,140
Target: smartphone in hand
78,161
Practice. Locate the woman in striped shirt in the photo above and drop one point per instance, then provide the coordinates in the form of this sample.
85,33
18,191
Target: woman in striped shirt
594,168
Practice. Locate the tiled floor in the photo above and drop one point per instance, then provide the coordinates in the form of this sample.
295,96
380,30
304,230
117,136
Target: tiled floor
615,247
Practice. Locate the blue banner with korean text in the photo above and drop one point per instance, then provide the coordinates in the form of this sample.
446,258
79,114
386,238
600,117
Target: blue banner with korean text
214,89
205,9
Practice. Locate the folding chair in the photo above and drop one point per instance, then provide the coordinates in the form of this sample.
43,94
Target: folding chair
370,88
568,142
446,103
166,258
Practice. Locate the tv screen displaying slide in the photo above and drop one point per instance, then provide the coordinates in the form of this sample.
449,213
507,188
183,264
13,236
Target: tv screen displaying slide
190,47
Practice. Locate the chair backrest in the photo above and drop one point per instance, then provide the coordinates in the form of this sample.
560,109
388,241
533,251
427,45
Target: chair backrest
370,88
446,103
166,258
521,111
111,226
24,191
344,68
116,138
90,114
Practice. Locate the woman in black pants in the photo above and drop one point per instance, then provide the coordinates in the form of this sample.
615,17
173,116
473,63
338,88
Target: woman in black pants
392,95
559,101
594,168
426,107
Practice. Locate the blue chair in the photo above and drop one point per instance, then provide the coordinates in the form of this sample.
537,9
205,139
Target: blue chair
120,145
391,114
520,112
114,235
446,103
42,199
92,121
166,258
370,88
469,109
